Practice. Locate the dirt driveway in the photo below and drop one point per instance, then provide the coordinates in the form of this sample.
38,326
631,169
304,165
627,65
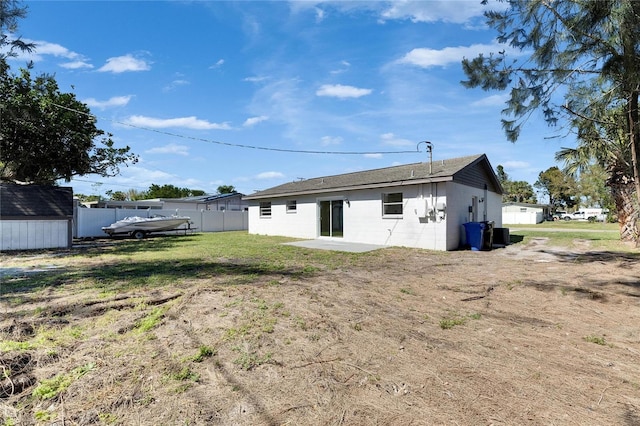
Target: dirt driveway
531,334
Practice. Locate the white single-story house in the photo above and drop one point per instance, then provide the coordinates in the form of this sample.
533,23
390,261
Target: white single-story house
525,213
421,205
35,217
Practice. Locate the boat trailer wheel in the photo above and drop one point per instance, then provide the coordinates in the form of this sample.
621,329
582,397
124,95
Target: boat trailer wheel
138,235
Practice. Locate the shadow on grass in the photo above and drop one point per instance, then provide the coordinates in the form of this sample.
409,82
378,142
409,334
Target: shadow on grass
116,277
119,245
625,260
514,238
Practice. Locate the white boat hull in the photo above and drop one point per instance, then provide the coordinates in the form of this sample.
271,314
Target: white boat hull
139,226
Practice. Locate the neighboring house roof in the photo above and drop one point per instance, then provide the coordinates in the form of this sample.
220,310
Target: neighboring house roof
473,171
35,201
206,198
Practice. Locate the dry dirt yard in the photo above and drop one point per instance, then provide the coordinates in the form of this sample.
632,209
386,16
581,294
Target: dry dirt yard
525,335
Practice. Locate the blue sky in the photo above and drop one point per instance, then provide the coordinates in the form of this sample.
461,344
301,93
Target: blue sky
186,83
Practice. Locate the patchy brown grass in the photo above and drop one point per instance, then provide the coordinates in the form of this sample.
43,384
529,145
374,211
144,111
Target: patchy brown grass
529,334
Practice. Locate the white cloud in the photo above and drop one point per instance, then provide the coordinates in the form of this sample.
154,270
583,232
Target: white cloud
45,48
76,65
515,165
114,101
217,64
174,84
141,177
372,155
455,11
172,148
391,139
319,15
330,140
125,63
256,79
252,121
182,122
493,100
427,58
342,92
269,175
345,67
432,11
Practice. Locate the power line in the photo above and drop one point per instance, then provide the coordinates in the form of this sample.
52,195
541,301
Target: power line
298,151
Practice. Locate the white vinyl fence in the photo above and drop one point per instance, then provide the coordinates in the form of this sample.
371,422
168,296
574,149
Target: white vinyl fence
89,222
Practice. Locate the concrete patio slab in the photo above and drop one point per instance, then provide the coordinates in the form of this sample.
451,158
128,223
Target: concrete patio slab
336,245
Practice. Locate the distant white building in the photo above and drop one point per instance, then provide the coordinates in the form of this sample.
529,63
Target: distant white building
422,205
525,213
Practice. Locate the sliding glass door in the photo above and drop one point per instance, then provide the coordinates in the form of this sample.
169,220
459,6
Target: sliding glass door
331,218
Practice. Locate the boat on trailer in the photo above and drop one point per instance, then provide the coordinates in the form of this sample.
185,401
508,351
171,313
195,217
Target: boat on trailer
138,227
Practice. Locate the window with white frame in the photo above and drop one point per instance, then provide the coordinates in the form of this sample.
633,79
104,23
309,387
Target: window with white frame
292,206
392,204
265,209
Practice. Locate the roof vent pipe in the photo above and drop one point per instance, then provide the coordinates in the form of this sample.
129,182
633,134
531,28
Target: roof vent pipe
430,151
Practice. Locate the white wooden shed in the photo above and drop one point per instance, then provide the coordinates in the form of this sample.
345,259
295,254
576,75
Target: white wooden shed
422,205
35,217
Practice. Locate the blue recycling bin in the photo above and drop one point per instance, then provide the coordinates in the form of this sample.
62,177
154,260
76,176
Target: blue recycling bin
475,235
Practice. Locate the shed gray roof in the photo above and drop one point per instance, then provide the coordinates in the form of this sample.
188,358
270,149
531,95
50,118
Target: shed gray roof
473,170
18,201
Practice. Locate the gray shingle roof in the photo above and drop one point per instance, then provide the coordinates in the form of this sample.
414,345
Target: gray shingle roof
437,171
35,201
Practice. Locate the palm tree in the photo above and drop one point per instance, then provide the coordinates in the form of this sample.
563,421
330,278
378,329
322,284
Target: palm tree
605,142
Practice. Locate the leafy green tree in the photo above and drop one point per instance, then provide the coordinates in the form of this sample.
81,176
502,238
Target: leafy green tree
558,186
83,197
117,195
579,46
46,135
501,174
514,191
135,195
171,191
226,189
592,188
519,191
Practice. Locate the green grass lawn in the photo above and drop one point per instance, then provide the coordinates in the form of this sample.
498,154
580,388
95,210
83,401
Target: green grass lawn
570,225
159,261
601,236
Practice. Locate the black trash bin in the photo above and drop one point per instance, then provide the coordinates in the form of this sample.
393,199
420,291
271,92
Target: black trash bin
487,235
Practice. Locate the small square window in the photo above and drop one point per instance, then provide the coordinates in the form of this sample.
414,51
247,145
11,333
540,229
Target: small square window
292,206
265,209
392,204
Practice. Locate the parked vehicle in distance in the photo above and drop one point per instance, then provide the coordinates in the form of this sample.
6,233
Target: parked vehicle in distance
559,215
592,215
